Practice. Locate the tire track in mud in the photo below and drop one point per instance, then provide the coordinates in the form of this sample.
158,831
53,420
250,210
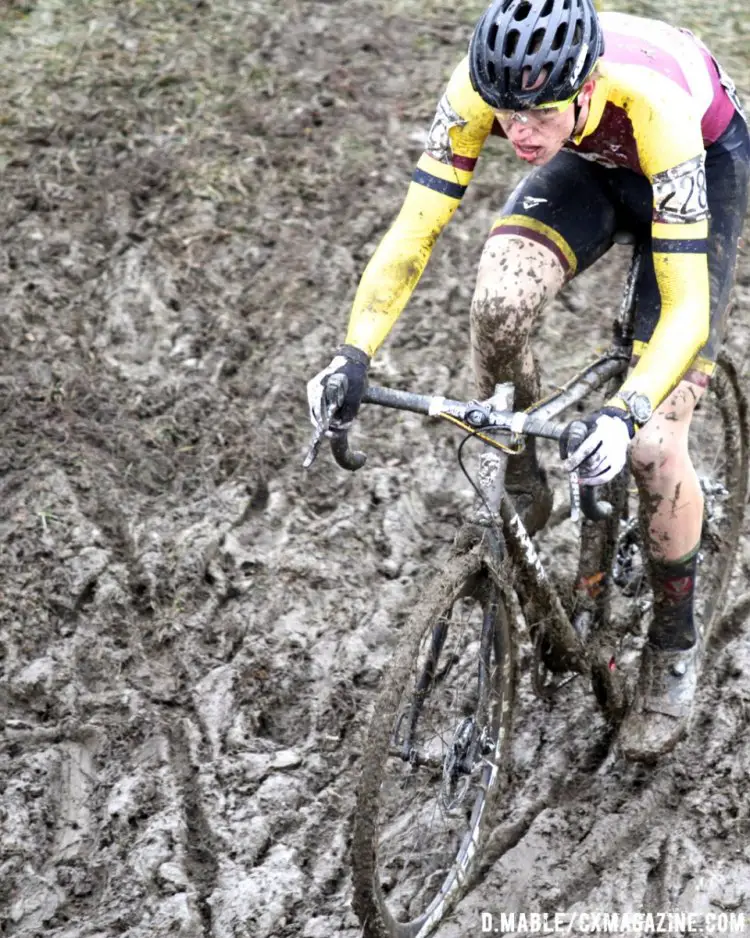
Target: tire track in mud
201,847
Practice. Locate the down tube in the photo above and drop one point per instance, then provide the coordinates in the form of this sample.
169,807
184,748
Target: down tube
524,554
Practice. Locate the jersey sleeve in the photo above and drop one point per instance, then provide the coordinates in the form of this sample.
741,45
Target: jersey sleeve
444,170
668,133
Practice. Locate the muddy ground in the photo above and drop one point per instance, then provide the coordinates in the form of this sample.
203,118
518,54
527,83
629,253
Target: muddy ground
192,628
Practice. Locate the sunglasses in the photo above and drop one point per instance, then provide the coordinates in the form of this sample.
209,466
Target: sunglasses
536,115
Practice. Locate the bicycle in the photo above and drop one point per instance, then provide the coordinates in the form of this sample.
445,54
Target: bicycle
438,743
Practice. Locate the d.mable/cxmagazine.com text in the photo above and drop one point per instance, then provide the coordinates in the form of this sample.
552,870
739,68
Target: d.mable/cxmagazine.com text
617,923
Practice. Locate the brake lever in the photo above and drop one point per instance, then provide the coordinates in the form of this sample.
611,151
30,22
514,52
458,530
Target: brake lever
583,499
312,452
334,394
575,496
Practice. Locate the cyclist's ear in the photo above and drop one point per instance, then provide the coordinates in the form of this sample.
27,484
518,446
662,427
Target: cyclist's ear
587,91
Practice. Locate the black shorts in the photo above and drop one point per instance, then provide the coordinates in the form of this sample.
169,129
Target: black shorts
574,206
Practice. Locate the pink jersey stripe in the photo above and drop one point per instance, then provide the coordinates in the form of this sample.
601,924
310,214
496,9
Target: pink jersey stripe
717,117
624,49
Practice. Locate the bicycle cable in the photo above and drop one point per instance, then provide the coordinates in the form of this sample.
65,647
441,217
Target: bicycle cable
471,433
485,439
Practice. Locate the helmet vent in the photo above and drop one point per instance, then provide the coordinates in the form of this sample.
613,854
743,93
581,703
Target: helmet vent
492,37
491,72
511,43
536,40
559,37
548,7
522,12
578,33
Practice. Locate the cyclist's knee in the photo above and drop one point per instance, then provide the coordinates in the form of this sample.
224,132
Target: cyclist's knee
654,455
659,450
516,277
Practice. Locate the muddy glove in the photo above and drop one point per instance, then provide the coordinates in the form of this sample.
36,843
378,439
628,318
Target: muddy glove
337,410
602,454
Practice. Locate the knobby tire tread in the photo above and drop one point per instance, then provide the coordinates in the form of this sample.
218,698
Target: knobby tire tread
734,408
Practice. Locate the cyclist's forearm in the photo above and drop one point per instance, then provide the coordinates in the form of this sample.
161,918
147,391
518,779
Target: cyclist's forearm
683,326
400,259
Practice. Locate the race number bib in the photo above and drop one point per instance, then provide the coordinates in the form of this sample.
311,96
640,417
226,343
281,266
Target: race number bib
680,193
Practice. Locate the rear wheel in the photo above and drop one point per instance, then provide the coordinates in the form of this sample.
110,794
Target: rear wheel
436,749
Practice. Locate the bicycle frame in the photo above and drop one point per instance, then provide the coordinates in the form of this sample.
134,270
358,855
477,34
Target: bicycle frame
538,421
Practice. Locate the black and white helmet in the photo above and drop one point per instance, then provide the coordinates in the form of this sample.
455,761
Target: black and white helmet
517,41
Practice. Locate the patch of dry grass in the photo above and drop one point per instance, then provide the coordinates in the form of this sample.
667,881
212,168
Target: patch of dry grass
214,81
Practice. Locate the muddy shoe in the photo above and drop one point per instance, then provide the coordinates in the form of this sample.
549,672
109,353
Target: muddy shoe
663,703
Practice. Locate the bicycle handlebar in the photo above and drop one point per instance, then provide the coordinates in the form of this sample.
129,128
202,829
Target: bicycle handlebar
346,457
476,415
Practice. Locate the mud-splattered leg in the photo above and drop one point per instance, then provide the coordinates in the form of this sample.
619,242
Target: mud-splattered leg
516,277
672,513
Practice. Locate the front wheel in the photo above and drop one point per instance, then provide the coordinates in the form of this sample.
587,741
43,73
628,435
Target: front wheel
437,747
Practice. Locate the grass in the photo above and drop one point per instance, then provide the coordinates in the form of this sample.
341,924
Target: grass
189,74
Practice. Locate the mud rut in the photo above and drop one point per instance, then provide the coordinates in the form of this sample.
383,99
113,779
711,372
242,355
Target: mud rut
192,630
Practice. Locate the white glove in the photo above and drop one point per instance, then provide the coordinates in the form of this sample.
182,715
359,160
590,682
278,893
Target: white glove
603,453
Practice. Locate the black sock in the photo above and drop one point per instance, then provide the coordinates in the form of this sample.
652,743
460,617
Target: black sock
673,583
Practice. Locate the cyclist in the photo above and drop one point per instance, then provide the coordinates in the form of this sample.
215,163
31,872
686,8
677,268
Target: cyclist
627,123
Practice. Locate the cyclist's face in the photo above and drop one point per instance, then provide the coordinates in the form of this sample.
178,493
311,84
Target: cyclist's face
538,134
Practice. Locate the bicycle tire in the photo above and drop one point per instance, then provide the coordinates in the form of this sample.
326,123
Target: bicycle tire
724,518
393,892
